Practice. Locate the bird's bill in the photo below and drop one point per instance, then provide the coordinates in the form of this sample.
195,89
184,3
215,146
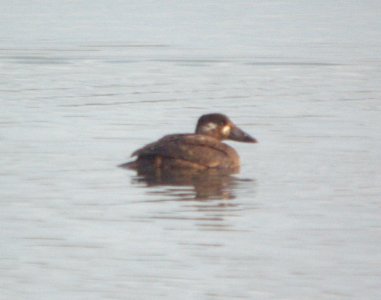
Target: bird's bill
237,134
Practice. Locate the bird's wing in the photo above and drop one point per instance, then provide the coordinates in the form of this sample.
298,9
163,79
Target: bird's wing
193,148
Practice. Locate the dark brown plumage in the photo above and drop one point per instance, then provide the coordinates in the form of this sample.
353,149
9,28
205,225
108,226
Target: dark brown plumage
200,151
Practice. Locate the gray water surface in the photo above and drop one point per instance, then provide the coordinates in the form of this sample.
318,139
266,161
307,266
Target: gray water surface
84,84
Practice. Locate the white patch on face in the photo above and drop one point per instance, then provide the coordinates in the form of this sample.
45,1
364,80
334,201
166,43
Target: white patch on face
209,127
226,130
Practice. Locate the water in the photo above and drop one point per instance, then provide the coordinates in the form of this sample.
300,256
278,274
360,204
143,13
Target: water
85,84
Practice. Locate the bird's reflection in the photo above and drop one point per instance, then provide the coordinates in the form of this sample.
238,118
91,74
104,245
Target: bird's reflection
204,185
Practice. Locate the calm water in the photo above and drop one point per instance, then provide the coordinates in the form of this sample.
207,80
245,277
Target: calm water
83,84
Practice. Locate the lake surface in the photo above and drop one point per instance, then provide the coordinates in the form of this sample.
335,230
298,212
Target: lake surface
84,84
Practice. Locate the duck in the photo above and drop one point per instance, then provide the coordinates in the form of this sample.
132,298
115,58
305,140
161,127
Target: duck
202,150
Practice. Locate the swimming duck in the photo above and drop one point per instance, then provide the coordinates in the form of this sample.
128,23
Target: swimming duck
202,150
